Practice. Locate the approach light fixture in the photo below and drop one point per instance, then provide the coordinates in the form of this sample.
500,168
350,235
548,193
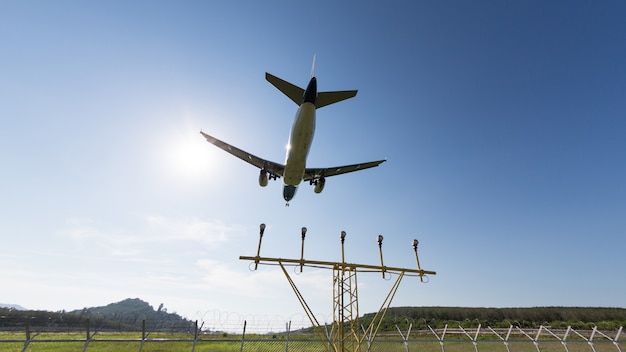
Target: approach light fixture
258,251
380,249
302,248
415,242
343,253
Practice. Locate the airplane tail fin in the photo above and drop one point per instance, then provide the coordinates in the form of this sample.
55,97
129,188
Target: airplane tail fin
296,93
327,98
313,66
292,91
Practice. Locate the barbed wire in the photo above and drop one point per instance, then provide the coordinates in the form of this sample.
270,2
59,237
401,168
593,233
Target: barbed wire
233,322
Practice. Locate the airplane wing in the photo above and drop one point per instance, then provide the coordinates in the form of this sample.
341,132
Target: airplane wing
314,173
271,167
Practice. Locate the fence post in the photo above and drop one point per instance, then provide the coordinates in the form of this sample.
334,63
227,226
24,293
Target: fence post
27,327
368,337
143,334
288,327
474,342
329,337
505,340
88,337
195,337
243,336
440,339
405,339
588,340
616,341
535,340
561,340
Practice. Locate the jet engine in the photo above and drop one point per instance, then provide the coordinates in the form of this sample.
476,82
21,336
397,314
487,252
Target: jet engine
319,185
263,178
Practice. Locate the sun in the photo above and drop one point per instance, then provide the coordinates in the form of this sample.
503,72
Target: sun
187,157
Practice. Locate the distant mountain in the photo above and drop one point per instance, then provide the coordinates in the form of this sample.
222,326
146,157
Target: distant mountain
127,315
12,306
133,311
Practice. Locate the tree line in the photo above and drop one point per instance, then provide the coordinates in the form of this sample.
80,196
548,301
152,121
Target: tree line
130,314
556,317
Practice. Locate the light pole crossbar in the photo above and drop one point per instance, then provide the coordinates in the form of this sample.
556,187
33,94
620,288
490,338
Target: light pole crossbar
333,265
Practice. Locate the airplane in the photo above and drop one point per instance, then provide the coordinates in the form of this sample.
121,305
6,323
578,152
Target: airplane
294,170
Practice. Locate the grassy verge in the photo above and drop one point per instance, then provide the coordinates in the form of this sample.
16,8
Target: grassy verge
161,342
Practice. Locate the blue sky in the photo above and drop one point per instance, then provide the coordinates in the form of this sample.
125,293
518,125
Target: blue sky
503,124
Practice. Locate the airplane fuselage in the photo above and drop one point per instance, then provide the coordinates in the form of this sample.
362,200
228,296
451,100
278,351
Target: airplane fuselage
300,139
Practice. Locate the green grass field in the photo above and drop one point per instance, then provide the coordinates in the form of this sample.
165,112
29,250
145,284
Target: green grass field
121,342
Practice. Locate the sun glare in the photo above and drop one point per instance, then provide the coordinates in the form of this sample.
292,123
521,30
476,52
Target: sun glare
187,158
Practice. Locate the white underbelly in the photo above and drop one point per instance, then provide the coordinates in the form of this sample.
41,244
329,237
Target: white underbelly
302,132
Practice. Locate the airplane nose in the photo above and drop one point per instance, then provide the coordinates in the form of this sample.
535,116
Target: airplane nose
289,191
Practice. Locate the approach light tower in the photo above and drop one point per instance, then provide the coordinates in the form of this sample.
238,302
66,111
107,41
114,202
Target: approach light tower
345,334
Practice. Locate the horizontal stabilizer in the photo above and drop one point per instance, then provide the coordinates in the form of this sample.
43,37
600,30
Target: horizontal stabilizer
327,98
295,93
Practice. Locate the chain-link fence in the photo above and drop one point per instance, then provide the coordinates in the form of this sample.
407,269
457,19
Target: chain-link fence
92,338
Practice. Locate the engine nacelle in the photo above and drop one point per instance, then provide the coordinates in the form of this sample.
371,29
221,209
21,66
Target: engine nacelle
319,185
263,178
